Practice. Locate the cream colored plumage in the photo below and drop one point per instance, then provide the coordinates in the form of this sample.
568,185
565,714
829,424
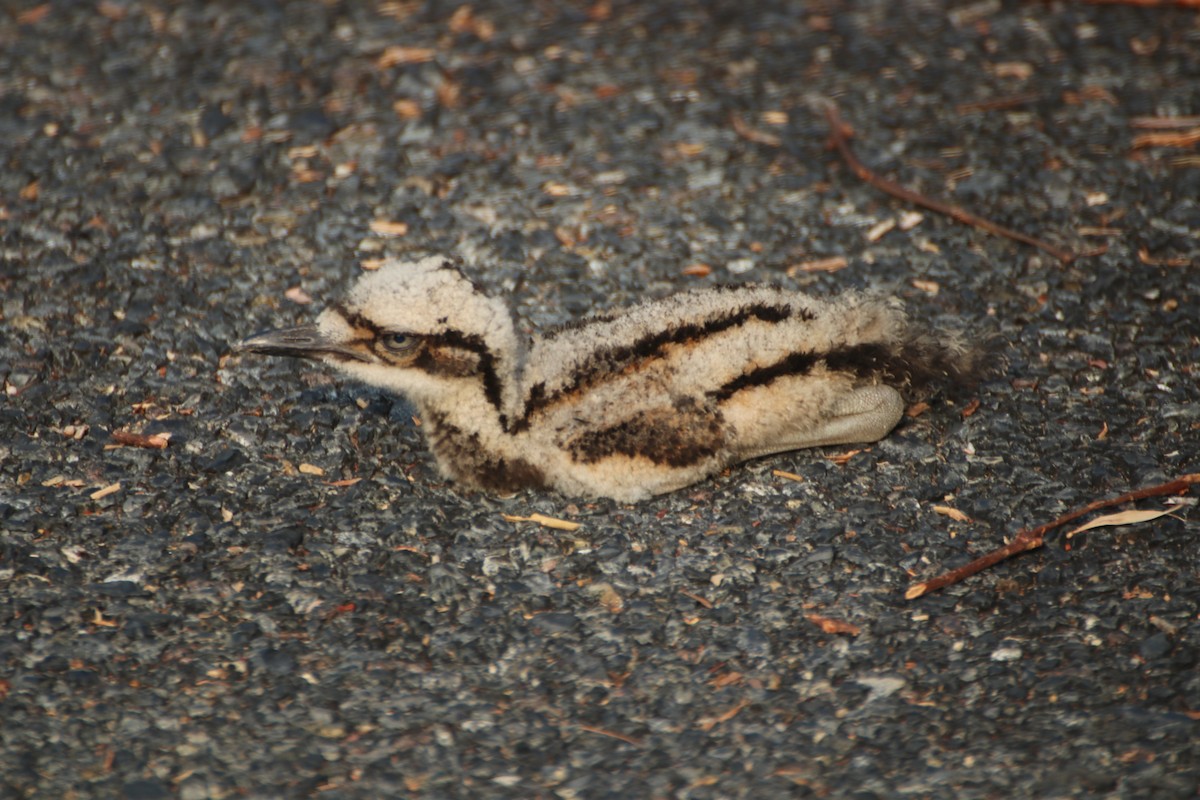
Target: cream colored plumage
643,401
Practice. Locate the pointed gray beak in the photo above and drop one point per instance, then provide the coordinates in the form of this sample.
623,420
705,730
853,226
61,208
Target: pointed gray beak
303,341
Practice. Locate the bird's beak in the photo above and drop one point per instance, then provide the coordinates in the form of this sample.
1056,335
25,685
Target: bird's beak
303,341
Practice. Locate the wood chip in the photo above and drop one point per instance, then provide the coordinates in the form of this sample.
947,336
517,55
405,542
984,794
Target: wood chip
398,54
310,469
916,409
877,231
791,476
100,494
830,625
407,109
343,483
929,287
544,521
952,513
154,441
842,458
556,189
387,227
1171,139
831,264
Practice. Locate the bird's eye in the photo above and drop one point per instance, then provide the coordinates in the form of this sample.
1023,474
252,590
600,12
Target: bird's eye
397,342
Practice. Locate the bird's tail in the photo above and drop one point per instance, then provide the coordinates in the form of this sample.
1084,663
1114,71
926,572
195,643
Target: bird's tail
927,356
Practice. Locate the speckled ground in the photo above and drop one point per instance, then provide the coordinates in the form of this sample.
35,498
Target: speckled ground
287,601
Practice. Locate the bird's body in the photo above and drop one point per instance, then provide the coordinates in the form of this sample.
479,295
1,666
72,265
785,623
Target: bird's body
628,405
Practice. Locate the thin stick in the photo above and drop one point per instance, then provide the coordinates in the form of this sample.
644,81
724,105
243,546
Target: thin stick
1033,538
838,135
613,734
153,441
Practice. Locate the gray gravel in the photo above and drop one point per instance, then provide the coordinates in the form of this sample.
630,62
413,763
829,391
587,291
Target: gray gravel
224,622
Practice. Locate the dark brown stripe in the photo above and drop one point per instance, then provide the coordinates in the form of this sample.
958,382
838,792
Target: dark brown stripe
611,360
687,435
465,457
795,364
861,360
487,362
355,319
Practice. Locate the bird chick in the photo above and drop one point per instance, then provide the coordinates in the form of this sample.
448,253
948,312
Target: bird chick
629,404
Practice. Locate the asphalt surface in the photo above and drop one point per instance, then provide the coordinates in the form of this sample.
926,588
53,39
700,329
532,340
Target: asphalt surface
288,601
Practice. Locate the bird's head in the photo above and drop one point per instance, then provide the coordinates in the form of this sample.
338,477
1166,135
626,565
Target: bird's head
418,328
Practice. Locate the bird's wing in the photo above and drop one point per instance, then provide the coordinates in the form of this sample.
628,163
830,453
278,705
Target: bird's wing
671,433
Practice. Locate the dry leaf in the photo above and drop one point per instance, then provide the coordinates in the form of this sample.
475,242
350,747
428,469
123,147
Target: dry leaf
608,596
952,513
543,520
298,296
833,625
929,287
916,409
1121,518
831,264
708,723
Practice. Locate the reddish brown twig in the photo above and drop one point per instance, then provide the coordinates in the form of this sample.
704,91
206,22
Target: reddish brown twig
153,441
612,734
838,135
1033,538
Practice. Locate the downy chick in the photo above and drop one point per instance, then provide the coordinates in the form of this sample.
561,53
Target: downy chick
630,404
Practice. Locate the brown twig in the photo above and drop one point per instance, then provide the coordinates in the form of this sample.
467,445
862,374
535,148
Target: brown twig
153,441
751,134
838,135
612,734
1185,138
1033,538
